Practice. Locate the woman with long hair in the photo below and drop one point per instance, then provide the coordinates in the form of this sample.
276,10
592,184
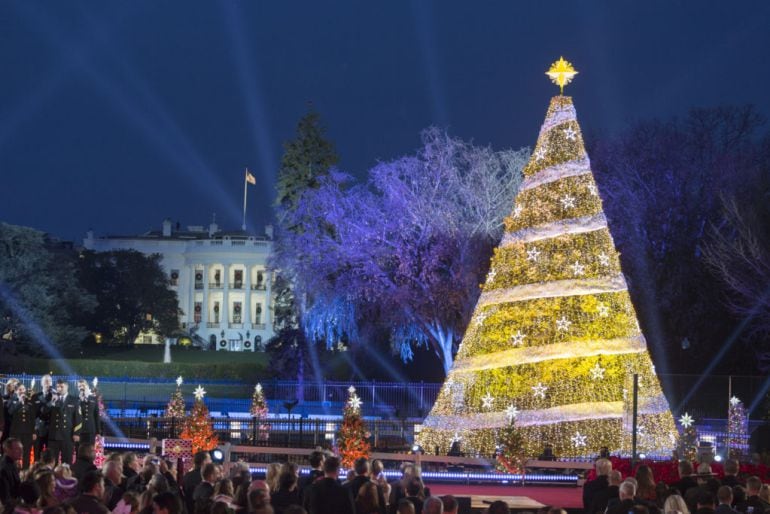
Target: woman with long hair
675,505
368,501
46,481
645,489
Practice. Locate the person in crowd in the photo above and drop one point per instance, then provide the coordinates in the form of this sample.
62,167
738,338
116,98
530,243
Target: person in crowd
597,487
368,499
224,492
379,478
753,501
140,482
675,504
326,495
45,463
316,461
204,492
271,476
66,485
23,413
157,484
131,465
405,506
704,502
29,494
92,492
84,461
432,505
241,500
731,469
114,483
451,504
739,496
498,507
41,399
8,392
686,478
362,471
626,494
64,423
287,493
415,494
167,468
609,495
240,474
128,504
259,499
91,424
46,482
9,474
192,478
645,490
725,500
167,503
764,493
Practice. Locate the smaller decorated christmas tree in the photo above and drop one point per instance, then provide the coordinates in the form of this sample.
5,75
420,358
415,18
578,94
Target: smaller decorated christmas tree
687,444
352,442
176,407
99,439
511,455
737,429
259,411
199,429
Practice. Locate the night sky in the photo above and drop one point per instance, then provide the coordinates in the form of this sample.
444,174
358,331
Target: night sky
115,115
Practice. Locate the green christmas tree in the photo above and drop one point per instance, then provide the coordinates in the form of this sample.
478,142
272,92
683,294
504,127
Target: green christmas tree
687,442
259,411
353,438
511,453
737,429
554,333
199,428
176,407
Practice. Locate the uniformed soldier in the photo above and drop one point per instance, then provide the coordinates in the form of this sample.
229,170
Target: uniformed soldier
42,399
91,425
64,424
8,392
23,412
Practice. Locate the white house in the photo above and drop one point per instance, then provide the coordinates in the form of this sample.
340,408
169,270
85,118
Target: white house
220,277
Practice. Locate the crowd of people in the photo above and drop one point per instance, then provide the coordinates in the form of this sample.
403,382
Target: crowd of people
130,484
698,491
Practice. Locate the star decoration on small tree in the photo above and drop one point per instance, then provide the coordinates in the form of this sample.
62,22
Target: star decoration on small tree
604,259
199,393
603,310
95,382
539,390
532,254
734,401
578,269
540,153
518,338
567,202
179,381
354,401
258,388
578,440
511,412
597,372
563,324
686,420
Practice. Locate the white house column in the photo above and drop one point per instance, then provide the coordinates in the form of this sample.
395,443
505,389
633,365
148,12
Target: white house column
191,294
266,309
246,310
225,307
206,306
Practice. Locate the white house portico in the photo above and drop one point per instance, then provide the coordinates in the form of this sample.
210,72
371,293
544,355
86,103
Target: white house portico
221,279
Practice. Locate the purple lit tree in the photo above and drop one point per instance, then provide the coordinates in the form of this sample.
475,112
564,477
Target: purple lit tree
407,249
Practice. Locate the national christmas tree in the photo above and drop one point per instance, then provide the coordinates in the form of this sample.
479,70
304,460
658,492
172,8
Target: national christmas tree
737,429
554,334
199,429
259,411
353,442
176,406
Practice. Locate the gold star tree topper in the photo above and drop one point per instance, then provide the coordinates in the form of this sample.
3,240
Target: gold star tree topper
561,73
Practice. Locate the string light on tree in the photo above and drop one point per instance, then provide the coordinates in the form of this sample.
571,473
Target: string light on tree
563,324
603,310
539,390
604,259
518,338
579,440
578,269
487,401
533,254
567,202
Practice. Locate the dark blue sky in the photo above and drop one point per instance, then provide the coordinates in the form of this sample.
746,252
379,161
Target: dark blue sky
114,115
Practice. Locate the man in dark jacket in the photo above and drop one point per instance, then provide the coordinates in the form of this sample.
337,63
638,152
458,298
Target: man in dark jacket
316,471
91,425
41,399
192,478
204,491
326,495
9,474
64,427
608,496
363,471
732,467
84,462
597,486
753,503
23,412
626,504
92,492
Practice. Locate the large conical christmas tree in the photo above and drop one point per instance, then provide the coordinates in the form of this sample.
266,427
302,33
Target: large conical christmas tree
554,339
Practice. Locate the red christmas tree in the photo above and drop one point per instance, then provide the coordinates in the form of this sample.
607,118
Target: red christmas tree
199,429
353,442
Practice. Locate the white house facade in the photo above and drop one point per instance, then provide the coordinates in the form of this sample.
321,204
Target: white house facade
221,280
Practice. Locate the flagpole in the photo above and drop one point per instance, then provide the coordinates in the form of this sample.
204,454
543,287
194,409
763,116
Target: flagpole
245,188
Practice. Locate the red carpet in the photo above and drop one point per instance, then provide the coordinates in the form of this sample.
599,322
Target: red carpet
565,497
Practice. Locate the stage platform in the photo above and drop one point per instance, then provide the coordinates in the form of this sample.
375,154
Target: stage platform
570,498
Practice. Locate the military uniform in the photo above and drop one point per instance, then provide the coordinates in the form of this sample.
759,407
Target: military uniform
23,416
41,400
64,424
91,424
